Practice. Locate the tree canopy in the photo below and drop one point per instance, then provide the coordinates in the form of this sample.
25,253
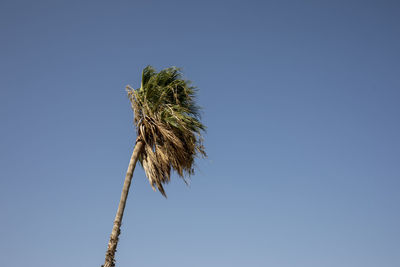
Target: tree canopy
167,120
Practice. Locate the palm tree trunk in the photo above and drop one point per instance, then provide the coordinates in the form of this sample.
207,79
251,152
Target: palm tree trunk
112,244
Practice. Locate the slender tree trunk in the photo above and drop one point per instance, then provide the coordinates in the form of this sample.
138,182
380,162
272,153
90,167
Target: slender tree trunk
112,244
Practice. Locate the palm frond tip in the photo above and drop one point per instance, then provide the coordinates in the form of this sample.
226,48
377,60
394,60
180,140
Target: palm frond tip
167,120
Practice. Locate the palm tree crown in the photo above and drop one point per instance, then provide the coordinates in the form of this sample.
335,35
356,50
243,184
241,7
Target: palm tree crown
167,120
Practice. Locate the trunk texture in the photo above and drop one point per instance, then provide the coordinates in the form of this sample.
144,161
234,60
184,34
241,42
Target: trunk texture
112,244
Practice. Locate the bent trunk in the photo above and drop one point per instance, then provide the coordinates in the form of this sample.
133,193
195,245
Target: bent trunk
112,244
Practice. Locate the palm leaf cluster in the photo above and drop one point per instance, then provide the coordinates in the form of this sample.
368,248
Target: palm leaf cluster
167,120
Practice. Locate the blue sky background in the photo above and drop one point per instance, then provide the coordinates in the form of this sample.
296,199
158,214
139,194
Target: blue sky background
301,100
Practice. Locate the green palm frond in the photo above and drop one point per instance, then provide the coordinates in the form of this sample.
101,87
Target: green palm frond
167,119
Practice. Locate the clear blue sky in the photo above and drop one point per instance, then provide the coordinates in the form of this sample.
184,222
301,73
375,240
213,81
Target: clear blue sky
301,100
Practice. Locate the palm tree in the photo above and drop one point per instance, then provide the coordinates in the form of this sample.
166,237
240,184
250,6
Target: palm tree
169,135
